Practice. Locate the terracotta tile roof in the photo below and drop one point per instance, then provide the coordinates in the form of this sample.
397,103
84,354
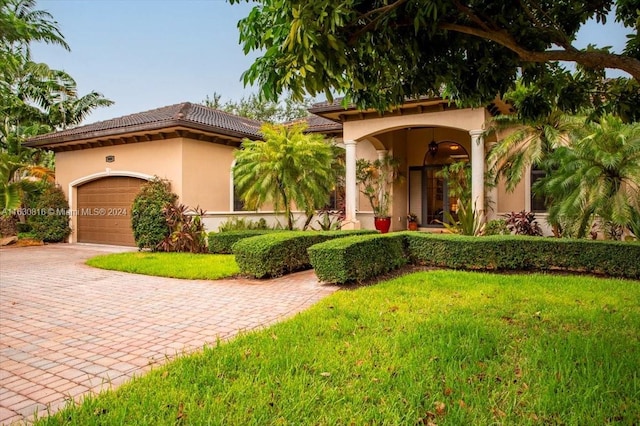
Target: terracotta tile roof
185,114
319,124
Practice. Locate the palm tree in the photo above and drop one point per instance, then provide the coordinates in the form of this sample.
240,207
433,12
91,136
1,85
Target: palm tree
16,180
536,129
20,25
34,98
598,175
289,168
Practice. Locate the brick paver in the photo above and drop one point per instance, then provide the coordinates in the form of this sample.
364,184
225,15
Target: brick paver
67,329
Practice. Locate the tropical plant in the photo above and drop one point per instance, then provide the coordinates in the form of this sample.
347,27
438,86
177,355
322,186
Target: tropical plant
375,180
17,181
466,222
523,223
528,137
458,177
147,221
598,175
34,98
186,230
379,53
242,224
20,25
330,220
634,224
51,221
290,168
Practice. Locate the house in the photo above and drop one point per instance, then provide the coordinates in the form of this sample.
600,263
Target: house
101,166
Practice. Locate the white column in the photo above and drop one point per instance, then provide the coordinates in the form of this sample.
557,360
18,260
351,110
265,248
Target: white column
477,171
351,186
492,194
382,153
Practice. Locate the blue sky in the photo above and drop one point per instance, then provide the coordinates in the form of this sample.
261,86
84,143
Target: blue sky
145,54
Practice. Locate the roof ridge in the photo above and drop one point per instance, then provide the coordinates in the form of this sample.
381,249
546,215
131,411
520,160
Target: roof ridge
184,109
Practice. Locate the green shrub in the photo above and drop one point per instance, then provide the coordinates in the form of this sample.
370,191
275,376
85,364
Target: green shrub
357,258
279,253
51,224
496,227
222,242
612,258
147,219
187,234
242,224
23,227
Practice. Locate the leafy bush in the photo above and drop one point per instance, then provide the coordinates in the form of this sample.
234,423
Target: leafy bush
23,227
222,242
496,227
186,230
242,224
51,224
147,220
363,257
357,258
612,258
523,223
280,253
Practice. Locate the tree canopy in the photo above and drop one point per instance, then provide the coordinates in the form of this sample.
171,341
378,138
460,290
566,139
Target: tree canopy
257,108
290,168
34,98
380,52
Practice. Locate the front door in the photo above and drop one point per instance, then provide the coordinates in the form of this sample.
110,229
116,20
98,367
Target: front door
429,196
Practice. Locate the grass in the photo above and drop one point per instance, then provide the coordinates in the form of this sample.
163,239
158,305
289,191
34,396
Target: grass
173,265
439,347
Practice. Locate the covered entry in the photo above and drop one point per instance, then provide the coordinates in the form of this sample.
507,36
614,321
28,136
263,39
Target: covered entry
429,196
104,210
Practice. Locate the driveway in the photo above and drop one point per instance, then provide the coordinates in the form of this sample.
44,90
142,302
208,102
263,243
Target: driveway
67,329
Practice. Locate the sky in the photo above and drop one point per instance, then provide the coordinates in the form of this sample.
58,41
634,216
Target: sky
146,54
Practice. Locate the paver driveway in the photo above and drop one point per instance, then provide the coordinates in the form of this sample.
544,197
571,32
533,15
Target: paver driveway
67,329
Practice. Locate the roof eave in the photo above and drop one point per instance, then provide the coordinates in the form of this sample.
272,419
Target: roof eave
53,140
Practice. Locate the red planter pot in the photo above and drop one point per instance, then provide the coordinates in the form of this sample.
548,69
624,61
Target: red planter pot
382,224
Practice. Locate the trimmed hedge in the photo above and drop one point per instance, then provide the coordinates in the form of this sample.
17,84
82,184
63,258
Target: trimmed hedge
361,258
612,258
358,258
276,254
222,242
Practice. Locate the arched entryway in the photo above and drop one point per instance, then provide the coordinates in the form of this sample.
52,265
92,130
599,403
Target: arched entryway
104,210
429,195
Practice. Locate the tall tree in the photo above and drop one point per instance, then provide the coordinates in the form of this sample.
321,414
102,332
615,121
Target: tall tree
530,135
597,175
21,24
380,52
290,168
260,109
34,98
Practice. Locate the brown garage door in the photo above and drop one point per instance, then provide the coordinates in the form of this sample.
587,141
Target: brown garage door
104,210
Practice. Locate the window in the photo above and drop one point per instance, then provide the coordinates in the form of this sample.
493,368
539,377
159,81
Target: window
238,202
537,200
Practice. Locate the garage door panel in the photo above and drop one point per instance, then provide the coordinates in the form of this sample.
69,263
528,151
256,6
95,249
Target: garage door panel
104,207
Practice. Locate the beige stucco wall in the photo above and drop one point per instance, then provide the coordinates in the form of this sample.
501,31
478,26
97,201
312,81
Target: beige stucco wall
463,119
198,171
407,138
206,171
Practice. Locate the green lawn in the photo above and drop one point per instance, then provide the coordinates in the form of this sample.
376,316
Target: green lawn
440,347
173,265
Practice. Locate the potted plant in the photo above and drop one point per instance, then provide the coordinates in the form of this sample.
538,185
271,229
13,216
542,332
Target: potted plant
412,221
375,179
